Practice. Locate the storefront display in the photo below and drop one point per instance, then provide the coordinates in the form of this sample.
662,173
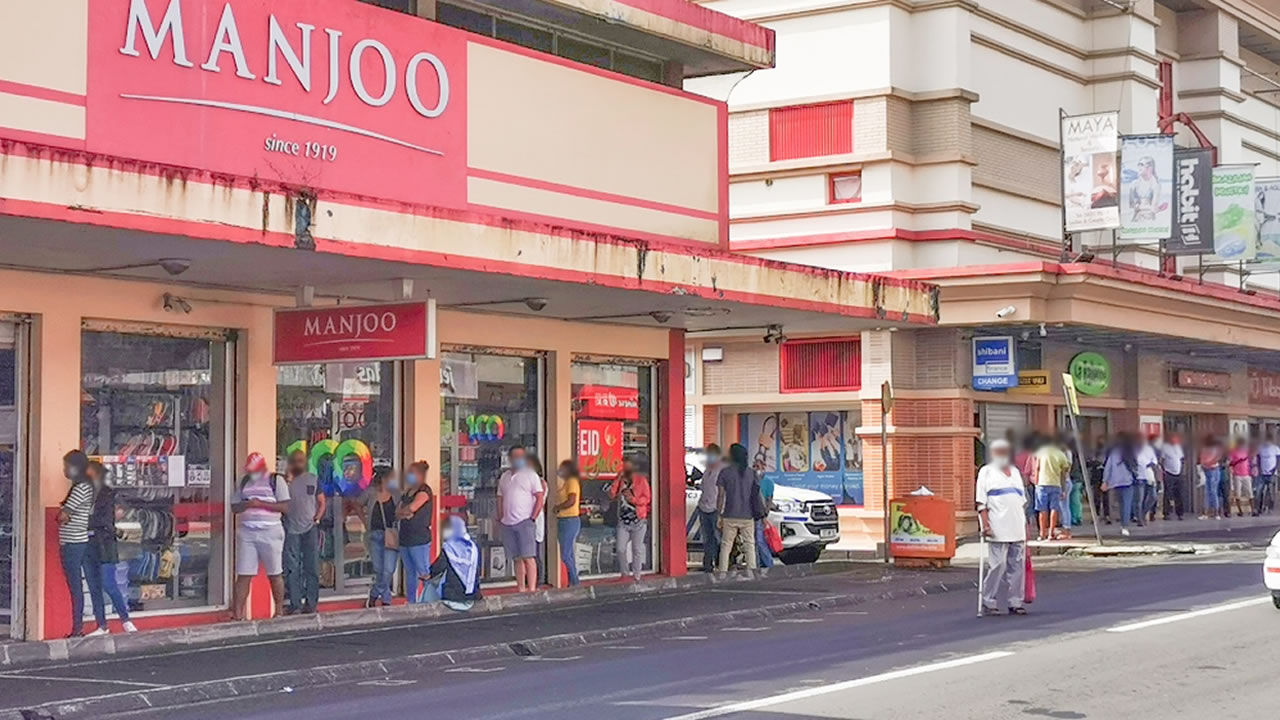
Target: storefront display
490,403
343,416
9,521
153,411
818,450
613,421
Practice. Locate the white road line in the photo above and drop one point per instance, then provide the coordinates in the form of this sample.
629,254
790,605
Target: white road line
398,683
838,687
743,629
472,670
543,658
849,612
1165,620
622,647
686,637
797,621
128,683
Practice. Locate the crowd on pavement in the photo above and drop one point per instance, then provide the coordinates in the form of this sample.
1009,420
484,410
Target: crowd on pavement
733,506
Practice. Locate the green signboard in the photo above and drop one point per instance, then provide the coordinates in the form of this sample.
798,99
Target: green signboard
1091,373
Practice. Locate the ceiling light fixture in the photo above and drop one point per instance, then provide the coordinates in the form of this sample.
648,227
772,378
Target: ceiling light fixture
173,266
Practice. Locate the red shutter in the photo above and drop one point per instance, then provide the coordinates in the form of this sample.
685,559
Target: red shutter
820,365
811,130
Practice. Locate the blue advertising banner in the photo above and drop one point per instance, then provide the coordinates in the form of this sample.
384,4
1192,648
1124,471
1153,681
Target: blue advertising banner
817,451
994,363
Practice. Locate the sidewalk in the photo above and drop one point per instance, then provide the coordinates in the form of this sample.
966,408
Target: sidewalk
182,675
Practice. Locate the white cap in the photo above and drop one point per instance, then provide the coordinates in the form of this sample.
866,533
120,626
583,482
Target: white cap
1000,445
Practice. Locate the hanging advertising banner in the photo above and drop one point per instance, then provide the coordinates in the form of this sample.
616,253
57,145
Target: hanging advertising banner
600,448
610,401
994,363
1234,227
338,333
1264,387
1193,231
1090,194
1146,188
818,451
1267,218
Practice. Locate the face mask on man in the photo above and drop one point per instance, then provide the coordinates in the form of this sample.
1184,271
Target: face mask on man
713,458
1001,461
518,463
393,485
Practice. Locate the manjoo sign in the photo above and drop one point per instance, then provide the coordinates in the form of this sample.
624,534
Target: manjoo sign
320,93
394,331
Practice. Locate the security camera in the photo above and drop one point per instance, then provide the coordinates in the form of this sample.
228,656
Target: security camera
174,266
1006,311
535,304
173,303
1044,332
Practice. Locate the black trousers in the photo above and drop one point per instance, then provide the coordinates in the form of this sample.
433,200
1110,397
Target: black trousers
1101,501
1173,493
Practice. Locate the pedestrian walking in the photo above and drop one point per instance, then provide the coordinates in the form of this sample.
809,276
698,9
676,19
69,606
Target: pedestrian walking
413,523
1097,468
568,515
259,503
1148,463
708,509
302,536
1001,500
1119,476
1268,457
1051,467
764,554
630,490
520,499
1241,479
740,503
103,550
1211,457
384,534
1172,465
455,574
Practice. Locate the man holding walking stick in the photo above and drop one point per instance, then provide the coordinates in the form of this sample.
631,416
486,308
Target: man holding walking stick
1001,504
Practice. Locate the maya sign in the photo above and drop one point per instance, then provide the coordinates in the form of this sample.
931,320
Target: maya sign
329,94
600,447
396,331
607,401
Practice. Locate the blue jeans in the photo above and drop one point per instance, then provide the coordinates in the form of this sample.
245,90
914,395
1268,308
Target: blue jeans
567,529
710,535
1213,490
763,554
1261,493
302,569
79,565
384,566
417,566
1125,496
1064,505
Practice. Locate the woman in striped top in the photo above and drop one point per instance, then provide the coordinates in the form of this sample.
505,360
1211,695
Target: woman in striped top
73,539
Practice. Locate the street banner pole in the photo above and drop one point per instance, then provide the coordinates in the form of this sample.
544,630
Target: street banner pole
1073,412
886,405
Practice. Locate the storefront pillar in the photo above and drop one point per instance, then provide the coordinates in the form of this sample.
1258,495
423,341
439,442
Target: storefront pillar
559,447
255,429
674,558
421,434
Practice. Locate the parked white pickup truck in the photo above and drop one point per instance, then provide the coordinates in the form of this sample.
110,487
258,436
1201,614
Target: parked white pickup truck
806,519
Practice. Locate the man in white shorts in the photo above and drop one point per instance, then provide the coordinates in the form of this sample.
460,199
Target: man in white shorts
259,503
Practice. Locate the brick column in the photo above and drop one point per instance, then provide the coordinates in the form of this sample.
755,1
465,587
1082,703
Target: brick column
673,557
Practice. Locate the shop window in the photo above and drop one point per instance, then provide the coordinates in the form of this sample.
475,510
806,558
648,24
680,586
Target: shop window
153,412
818,450
490,403
343,415
10,497
820,365
613,420
464,19
584,52
845,188
650,70
811,130
524,35
1030,355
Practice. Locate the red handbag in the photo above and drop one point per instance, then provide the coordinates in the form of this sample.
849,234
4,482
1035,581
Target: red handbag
772,537
1029,594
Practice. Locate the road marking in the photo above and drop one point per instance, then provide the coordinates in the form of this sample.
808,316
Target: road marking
622,647
130,683
397,683
849,612
743,629
472,670
1165,620
543,658
838,687
686,637
800,620
746,591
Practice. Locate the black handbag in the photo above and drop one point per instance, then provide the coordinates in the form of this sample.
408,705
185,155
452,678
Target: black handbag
759,510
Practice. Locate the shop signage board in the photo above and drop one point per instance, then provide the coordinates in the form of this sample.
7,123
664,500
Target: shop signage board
1194,379
1193,231
817,450
1267,218
994,363
1091,373
1264,387
1032,382
344,333
1234,224
609,401
316,93
600,448
1146,188
1089,178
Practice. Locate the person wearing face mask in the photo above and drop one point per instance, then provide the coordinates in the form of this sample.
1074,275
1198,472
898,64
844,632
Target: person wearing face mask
383,537
456,571
78,565
102,548
709,509
414,516
302,537
1002,501
568,516
259,503
521,495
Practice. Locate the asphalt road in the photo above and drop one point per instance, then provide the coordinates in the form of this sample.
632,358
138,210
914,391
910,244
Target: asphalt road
925,658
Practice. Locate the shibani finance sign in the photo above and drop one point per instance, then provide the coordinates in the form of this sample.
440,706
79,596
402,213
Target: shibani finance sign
330,94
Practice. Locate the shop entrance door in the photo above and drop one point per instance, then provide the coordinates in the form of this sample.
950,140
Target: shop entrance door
12,427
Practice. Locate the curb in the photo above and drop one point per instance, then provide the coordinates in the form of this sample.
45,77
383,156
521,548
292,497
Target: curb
288,680
1155,549
33,654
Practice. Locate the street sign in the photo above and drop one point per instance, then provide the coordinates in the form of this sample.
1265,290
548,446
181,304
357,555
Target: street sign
1069,389
886,397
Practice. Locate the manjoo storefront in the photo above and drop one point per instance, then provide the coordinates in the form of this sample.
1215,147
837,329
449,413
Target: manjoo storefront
264,226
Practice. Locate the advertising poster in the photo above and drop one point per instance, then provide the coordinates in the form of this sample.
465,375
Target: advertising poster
793,431
1267,218
1146,188
1193,234
1234,228
915,529
1089,176
762,442
600,448
826,445
852,462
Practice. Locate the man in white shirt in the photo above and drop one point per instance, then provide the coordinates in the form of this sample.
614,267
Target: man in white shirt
1002,504
1148,461
1268,456
520,497
1172,462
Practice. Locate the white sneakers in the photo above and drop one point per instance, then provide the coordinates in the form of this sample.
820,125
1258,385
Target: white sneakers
1124,532
98,632
130,627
